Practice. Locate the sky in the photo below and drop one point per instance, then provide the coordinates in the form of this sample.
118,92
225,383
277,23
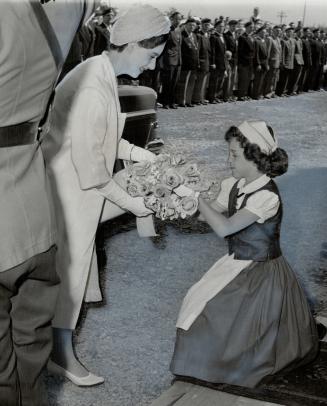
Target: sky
315,10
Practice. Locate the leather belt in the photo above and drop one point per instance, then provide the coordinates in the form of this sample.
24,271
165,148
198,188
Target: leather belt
18,134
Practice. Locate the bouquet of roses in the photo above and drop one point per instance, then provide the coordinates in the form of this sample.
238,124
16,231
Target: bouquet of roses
163,183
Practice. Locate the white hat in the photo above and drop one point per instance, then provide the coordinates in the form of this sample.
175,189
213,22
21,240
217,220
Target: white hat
138,23
256,132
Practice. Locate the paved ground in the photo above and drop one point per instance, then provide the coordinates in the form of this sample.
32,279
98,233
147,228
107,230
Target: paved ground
129,338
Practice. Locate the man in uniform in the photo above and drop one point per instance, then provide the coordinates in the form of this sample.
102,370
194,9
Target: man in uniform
287,61
204,58
275,51
218,63
35,41
317,55
292,86
245,61
190,64
231,45
260,63
171,61
304,82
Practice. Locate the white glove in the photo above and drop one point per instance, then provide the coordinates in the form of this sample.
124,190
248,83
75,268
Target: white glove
140,154
113,192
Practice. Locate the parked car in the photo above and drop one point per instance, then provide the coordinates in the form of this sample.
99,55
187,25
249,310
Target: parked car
139,103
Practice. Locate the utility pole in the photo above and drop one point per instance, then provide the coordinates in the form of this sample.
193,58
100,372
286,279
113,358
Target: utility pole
304,11
281,15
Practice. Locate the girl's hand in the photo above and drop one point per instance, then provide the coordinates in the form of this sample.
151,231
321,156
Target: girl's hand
138,207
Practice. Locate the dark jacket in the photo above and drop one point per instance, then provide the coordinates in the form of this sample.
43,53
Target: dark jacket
231,45
102,39
245,54
260,54
204,51
172,53
288,53
190,51
257,242
317,52
306,50
218,50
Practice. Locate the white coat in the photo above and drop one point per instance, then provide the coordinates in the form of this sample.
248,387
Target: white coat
80,152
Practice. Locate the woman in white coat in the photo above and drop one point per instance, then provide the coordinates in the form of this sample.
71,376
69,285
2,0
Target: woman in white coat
80,152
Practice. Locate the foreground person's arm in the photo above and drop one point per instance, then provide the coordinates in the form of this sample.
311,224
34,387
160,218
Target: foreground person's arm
223,226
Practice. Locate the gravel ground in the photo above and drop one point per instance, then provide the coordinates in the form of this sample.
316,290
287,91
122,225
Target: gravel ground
129,337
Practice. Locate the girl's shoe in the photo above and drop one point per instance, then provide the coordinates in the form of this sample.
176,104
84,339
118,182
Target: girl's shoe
88,380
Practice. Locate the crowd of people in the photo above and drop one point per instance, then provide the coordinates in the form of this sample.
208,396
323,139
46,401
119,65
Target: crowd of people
214,61
226,60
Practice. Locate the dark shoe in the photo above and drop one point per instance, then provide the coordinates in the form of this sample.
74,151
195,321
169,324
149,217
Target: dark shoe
189,105
198,104
173,106
165,106
213,102
182,105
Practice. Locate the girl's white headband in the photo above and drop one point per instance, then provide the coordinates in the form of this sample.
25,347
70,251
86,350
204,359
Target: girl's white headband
256,132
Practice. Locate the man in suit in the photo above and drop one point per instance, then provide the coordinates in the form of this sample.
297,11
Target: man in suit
190,65
204,59
218,63
35,49
245,61
274,58
292,86
260,62
324,73
287,62
317,55
231,45
304,82
170,63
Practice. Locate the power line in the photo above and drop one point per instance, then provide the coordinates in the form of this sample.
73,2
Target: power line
281,15
304,10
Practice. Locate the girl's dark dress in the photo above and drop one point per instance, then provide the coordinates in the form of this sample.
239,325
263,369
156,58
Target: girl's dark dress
258,324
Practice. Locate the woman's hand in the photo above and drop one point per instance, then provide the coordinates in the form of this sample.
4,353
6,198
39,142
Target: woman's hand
140,154
149,156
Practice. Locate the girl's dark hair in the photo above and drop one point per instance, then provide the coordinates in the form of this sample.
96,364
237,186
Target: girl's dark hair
148,43
272,165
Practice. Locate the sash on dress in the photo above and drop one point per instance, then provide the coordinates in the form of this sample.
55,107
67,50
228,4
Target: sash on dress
212,282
